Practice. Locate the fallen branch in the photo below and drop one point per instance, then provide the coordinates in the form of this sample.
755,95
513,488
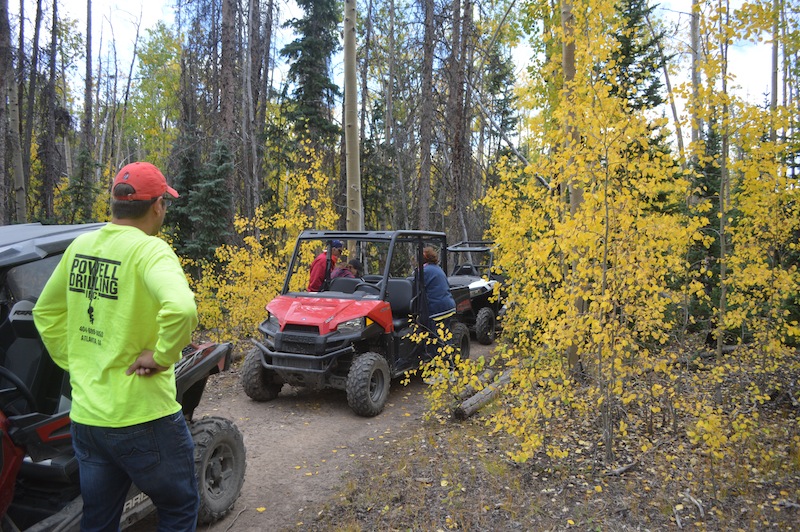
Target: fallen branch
620,470
474,403
696,503
677,518
788,504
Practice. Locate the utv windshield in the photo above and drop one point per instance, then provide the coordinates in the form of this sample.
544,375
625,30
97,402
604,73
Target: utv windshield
27,281
371,257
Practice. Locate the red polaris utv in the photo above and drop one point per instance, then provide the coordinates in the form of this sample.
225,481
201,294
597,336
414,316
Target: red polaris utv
39,487
355,334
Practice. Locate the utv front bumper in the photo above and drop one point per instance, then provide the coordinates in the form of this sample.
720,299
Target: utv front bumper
303,357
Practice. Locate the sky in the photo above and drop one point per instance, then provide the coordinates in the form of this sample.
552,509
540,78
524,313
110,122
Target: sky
750,64
119,18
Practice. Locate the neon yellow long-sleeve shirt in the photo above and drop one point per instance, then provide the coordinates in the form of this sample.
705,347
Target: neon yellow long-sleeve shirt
116,292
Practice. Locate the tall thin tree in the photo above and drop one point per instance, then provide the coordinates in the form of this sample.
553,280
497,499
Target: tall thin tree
354,215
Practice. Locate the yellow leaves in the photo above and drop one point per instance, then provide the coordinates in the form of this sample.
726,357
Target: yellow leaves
709,432
628,397
232,294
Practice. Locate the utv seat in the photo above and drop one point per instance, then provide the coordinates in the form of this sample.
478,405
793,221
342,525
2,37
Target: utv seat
345,285
400,294
27,358
465,269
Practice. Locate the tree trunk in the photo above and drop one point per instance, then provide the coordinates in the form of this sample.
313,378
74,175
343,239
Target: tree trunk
697,125
668,85
228,93
32,81
5,80
773,104
14,157
354,216
264,84
252,94
471,405
455,113
47,148
15,154
572,136
127,93
426,121
724,185
84,197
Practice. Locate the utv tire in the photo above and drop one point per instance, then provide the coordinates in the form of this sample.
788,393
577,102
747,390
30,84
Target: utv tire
460,339
368,384
485,326
219,461
259,383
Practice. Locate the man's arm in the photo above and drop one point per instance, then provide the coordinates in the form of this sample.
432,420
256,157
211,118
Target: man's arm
177,318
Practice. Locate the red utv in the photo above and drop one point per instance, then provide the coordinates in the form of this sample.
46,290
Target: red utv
355,334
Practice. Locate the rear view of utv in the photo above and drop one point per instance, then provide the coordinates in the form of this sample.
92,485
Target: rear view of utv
472,262
356,333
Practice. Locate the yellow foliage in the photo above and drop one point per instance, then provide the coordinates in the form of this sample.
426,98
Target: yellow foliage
608,276
233,291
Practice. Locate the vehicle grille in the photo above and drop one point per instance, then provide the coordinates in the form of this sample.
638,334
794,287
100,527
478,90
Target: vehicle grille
301,348
307,329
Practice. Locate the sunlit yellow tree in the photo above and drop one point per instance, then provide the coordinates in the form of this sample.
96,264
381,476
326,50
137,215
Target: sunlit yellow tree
233,291
620,251
757,225
623,252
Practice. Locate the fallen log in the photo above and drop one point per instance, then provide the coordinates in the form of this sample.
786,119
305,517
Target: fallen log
484,378
477,401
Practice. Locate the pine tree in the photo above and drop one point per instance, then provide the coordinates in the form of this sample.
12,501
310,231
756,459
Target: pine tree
637,61
208,206
310,55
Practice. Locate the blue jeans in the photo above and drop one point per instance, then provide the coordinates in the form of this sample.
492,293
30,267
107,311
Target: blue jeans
157,456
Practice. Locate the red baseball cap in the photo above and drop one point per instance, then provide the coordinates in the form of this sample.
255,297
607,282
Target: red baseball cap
147,181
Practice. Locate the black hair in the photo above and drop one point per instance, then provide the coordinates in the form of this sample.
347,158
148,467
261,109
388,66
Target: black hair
128,209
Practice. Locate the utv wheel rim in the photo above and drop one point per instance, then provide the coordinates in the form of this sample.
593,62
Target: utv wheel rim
376,386
219,471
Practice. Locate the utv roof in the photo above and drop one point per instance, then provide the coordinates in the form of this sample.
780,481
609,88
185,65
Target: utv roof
28,242
372,236
472,245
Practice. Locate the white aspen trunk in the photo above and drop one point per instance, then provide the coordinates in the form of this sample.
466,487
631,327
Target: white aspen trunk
354,214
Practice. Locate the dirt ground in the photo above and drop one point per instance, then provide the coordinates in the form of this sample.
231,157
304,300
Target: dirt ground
299,445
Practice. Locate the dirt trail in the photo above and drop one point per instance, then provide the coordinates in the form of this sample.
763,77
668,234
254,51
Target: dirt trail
299,445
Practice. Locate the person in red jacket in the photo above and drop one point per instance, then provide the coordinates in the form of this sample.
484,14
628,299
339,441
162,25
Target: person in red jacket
318,268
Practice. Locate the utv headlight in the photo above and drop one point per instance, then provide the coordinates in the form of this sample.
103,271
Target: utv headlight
351,326
272,319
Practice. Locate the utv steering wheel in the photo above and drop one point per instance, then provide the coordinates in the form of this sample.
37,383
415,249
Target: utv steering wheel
19,389
371,286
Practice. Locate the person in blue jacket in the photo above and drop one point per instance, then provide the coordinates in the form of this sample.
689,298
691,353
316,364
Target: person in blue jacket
441,305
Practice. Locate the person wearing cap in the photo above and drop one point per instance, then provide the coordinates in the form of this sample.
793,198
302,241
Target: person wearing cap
352,269
320,268
115,314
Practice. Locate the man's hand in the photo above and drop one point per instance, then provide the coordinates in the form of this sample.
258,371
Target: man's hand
144,365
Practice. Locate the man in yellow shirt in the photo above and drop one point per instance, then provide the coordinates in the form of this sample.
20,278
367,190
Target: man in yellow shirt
115,314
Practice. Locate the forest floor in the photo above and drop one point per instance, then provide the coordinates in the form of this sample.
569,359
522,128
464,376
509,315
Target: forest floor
314,465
